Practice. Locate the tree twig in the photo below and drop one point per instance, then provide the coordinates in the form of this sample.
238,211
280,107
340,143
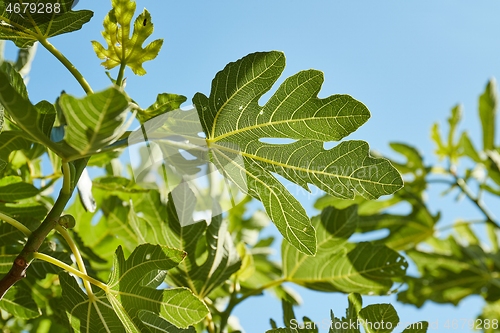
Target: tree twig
478,202
18,270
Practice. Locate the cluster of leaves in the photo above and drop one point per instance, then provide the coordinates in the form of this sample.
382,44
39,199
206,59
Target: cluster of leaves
135,240
454,260
166,271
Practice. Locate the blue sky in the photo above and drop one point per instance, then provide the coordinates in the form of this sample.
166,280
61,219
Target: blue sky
408,61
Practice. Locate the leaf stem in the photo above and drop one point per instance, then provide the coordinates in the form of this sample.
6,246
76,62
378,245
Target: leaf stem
66,188
71,68
16,224
78,258
121,73
48,185
71,270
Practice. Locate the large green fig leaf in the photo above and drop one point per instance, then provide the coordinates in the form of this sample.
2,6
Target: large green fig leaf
339,265
235,125
129,304
124,49
25,22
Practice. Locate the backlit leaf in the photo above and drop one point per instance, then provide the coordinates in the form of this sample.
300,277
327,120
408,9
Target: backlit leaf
128,297
32,119
234,124
6,261
222,258
124,49
452,272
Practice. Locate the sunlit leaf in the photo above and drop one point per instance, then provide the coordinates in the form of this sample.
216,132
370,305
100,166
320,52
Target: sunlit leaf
405,231
178,306
234,124
6,261
34,120
222,258
124,49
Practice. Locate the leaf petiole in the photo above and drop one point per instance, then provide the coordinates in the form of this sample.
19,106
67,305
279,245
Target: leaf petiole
16,224
71,270
67,178
78,258
121,73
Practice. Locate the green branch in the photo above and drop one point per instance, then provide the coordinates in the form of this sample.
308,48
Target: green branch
478,202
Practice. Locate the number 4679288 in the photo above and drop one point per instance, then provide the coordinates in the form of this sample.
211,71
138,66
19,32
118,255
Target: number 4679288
33,8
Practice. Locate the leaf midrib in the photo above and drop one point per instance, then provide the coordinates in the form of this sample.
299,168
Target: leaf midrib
98,125
287,166
271,124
